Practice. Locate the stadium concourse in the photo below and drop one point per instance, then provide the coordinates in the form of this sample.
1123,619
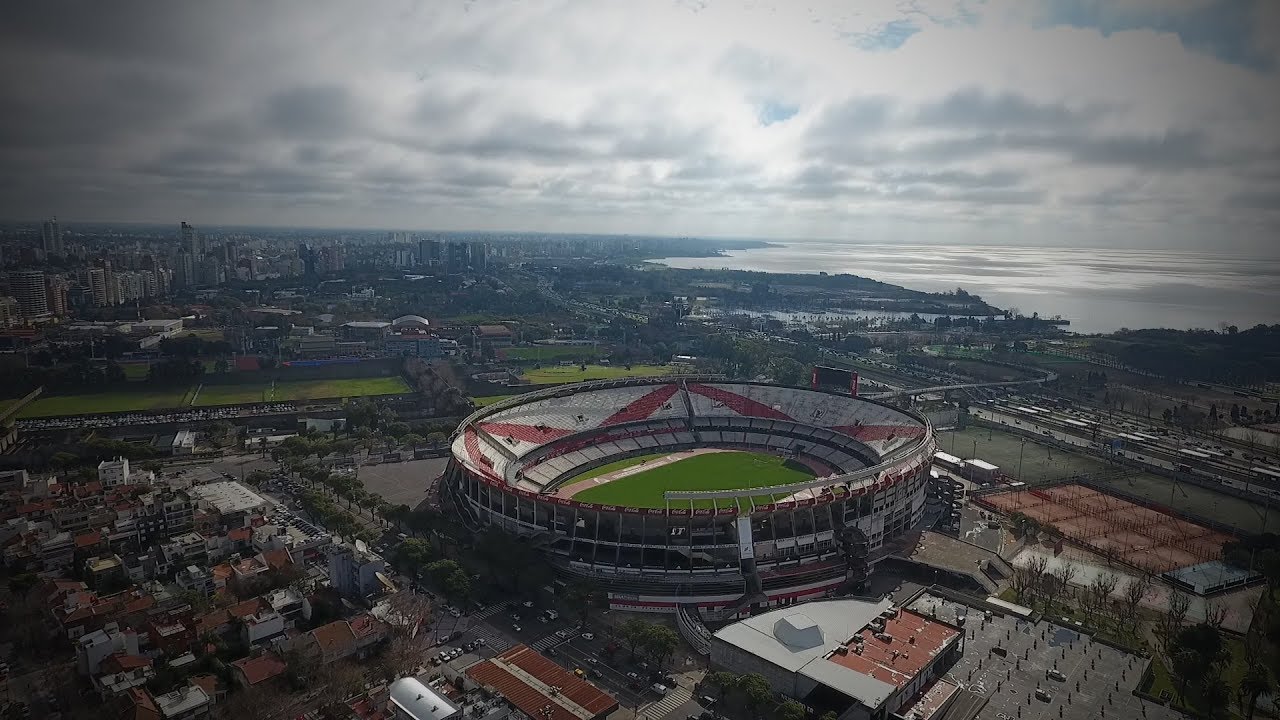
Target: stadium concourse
725,496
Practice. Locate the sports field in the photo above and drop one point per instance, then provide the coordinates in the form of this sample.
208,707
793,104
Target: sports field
299,390
108,402
486,400
553,375
549,352
634,485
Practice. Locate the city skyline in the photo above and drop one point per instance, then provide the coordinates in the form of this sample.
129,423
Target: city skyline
1138,123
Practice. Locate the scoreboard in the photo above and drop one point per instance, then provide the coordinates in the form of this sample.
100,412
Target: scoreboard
825,377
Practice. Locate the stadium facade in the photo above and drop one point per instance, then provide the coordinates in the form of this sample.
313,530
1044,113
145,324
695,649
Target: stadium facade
720,551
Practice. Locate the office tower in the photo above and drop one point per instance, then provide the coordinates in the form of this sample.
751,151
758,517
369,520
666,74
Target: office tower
458,259
191,240
479,256
56,288
428,251
51,238
98,286
28,288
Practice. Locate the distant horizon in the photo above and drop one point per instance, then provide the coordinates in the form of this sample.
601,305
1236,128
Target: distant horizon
1048,123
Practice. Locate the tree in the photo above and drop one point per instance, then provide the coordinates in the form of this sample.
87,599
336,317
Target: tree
1057,582
1255,683
458,585
413,554
724,682
757,691
634,631
1027,578
660,642
791,710
1185,666
1134,593
442,570
1174,615
1100,591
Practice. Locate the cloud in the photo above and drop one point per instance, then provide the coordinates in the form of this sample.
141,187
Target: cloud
716,117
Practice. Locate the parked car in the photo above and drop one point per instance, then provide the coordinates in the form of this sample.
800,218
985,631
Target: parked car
588,636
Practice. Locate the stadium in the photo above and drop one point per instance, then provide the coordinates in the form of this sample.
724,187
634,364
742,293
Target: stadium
692,491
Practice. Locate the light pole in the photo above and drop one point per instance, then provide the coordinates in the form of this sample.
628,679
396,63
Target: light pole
1022,446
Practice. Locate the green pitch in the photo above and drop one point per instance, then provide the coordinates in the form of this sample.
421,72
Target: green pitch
568,374
300,390
708,471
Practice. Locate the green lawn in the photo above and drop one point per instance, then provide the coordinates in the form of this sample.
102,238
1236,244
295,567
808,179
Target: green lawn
489,399
300,390
545,353
108,402
615,466
553,375
709,471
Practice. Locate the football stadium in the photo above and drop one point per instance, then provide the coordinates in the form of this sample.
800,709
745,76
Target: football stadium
692,491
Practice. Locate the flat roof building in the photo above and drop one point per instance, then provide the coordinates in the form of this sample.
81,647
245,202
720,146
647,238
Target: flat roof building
229,499
857,658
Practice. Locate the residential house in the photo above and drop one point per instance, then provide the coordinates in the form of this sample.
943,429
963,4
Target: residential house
186,703
328,643
95,647
257,669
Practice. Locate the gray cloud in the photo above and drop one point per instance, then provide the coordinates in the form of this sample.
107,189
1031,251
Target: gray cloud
530,116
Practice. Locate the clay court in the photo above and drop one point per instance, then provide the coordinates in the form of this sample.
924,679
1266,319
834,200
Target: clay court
1115,528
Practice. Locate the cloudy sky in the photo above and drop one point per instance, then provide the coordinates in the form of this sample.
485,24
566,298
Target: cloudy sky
1095,122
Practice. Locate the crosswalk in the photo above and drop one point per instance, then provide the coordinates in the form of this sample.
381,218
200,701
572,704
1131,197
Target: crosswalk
494,639
674,698
492,610
546,642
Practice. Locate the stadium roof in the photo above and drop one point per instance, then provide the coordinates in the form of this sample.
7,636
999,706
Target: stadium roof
410,320
541,688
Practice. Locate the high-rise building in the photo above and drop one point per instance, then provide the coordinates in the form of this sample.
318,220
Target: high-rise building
458,259
51,237
479,256
28,289
191,240
98,286
10,313
56,288
428,251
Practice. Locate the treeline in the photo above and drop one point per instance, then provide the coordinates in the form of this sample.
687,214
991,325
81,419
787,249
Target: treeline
1232,357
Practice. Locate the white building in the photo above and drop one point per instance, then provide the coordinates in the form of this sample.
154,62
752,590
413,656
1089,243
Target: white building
185,703
114,472
411,700
353,571
234,502
94,647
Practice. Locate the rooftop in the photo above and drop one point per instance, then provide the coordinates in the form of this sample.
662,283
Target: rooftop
419,701
229,497
182,700
261,668
817,640
526,679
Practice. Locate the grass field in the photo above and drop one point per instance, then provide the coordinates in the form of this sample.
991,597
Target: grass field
489,399
1002,449
553,375
709,471
299,390
103,403
544,353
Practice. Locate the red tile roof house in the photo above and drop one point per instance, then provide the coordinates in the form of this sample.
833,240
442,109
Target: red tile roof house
329,643
251,671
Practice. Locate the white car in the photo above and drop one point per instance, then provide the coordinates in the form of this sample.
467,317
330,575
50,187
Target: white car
659,688
588,636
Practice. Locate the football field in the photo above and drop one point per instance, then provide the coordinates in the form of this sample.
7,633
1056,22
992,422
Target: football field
641,481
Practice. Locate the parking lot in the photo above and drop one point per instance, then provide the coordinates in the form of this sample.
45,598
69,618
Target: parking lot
1042,670
402,483
572,647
